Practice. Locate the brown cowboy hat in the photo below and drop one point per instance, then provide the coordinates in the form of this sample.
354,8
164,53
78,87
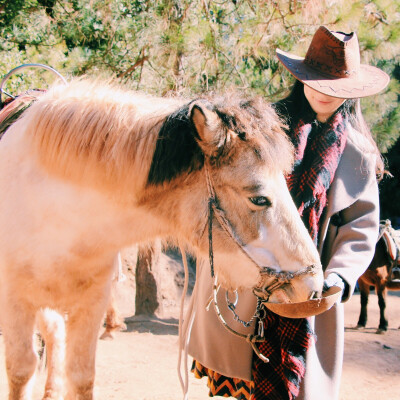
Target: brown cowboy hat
332,66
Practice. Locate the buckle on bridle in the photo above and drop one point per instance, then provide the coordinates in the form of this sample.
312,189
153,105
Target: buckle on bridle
263,290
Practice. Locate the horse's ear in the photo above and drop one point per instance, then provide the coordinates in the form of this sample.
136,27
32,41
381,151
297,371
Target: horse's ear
208,126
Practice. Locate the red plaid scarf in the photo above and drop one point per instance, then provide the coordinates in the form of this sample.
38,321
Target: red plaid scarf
286,344
318,151
319,148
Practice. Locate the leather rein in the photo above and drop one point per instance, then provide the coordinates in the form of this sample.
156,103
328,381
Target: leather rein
262,290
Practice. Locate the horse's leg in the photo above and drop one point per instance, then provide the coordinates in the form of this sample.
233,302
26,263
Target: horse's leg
393,286
83,326
17,329
113,320
383,322
52,328
364,293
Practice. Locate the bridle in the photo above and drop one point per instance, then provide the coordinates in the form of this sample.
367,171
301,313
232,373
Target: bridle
262,290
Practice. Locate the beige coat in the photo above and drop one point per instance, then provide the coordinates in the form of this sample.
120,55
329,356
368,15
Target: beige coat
346,249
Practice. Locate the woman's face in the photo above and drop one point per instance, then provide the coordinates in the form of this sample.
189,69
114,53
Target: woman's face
323,105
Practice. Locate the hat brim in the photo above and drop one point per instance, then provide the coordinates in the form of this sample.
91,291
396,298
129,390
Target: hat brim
369,81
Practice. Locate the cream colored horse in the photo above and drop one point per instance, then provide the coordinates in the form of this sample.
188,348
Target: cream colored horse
90,169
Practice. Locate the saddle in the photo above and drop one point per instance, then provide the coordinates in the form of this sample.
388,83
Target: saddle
13,108
391,238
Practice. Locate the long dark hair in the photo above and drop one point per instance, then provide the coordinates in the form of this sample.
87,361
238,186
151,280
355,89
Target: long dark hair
295,107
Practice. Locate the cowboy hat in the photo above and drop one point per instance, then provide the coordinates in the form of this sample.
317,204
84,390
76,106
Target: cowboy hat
332,66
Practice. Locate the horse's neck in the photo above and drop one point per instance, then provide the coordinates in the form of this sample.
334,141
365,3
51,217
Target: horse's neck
104,140
84,154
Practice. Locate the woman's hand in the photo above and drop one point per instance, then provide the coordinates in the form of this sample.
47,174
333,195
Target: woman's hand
334,280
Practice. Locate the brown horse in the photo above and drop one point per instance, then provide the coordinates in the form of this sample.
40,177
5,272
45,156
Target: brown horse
383,274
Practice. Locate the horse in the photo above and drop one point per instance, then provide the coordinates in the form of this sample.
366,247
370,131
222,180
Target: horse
382,274
91,168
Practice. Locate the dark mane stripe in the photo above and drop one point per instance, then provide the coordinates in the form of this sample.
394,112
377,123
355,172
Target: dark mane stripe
176,151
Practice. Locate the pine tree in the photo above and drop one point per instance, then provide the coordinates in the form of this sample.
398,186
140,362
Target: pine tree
192,46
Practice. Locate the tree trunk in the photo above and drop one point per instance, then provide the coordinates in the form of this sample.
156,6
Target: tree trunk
148,294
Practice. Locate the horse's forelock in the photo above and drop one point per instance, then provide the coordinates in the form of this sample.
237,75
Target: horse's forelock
255,121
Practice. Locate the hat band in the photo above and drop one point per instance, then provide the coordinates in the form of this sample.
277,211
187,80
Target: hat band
330,70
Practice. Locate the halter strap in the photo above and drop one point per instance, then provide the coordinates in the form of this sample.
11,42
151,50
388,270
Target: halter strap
261,290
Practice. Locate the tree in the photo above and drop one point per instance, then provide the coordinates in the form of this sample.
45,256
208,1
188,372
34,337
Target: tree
148,299
192,46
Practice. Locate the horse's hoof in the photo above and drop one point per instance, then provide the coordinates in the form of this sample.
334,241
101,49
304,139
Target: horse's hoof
360,327
380,331
107,335
52,395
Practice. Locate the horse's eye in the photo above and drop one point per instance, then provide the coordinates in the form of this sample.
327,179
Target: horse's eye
261,201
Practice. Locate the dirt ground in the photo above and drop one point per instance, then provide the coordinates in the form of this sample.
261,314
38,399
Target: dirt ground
140,363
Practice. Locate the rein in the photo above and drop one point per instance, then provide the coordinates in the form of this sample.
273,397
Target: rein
262,290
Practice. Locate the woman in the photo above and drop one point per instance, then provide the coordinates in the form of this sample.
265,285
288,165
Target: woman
334,185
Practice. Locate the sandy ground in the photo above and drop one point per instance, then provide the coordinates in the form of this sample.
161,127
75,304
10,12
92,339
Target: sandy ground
140,363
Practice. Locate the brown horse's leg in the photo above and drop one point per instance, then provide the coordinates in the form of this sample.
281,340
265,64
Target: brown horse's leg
364,293
383,322
393,286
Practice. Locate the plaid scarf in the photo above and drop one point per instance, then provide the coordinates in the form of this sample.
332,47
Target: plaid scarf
319,148
286,343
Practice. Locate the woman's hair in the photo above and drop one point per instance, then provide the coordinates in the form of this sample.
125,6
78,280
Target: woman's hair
295,107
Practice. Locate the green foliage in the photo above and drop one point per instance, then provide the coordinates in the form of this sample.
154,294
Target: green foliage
9,10
191,46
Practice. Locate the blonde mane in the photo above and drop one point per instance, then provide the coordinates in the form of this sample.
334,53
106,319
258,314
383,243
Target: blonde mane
95,133
103,136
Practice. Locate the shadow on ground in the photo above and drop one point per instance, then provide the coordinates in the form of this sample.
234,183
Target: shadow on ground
152,324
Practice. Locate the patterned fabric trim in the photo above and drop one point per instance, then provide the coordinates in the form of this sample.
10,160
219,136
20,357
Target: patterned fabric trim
224,386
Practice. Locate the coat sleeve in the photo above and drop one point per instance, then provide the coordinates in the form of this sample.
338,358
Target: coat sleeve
355,236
